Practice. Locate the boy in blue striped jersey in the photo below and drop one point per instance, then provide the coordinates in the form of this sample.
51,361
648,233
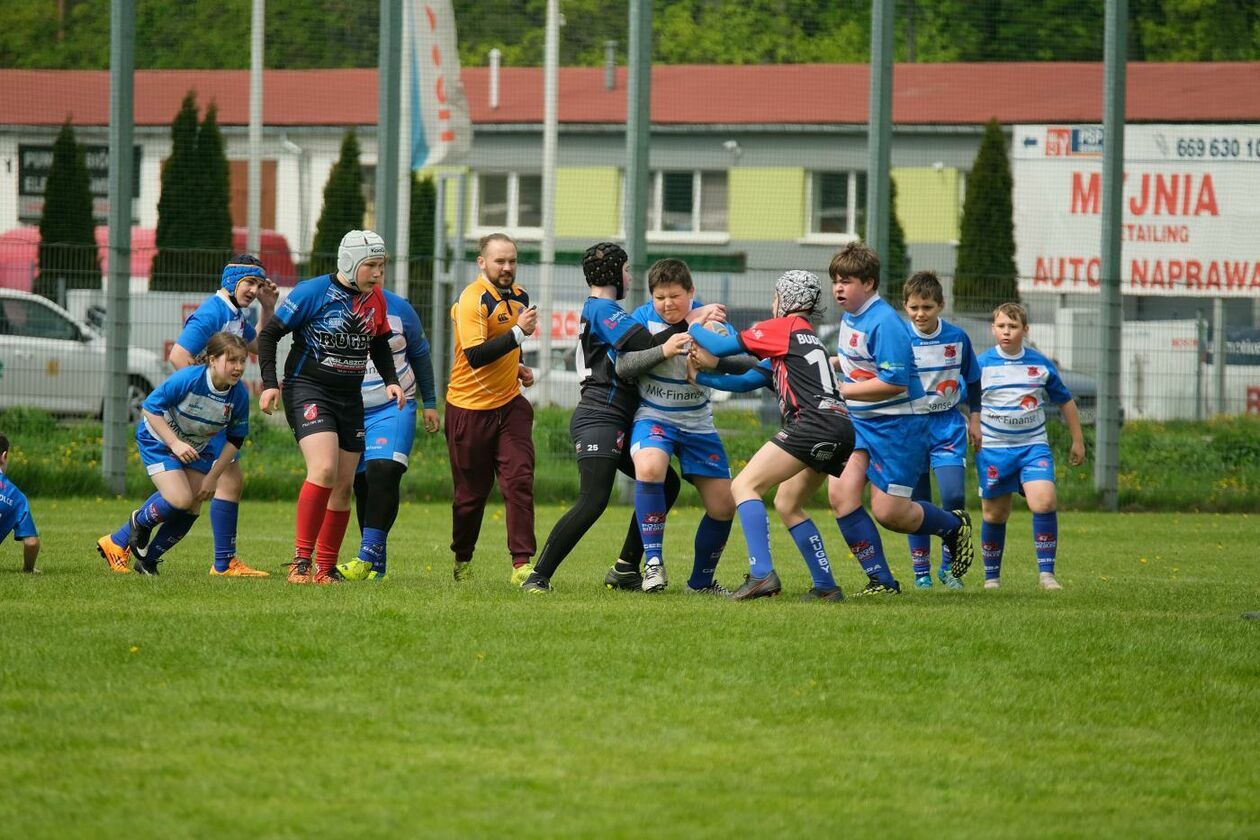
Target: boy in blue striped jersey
1013,452
946,365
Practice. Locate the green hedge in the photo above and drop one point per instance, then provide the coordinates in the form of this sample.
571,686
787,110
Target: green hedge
1174,466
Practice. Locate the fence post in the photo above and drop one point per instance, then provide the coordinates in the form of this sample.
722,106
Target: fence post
1218,353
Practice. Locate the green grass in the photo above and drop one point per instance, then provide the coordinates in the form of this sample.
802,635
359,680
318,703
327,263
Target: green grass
1175,466
183,706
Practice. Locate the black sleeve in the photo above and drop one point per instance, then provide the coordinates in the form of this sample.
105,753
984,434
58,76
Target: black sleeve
736,364
267,341
238,442
641,339
488,351
383,358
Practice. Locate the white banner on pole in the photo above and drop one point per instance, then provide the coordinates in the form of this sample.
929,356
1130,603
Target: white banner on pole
441,131
1190,209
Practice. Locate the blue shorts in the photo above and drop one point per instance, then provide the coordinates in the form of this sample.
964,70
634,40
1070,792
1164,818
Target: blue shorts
157,456
390,433
1004,470
898,448
700,454
948,439
215,447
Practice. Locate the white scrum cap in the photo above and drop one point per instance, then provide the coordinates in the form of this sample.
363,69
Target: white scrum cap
357,247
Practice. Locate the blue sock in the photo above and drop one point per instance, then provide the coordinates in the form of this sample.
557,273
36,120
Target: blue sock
372,549
173,530
936,522
154,511
992,544
649,510
860,533
920,545
223,515
1046,539
122,537
756,525
951,481
809,542
711,536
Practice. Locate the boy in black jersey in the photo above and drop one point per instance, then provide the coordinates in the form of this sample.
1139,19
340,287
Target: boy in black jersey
614,348
815,440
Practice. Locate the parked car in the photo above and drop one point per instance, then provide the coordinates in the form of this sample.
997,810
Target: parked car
51,361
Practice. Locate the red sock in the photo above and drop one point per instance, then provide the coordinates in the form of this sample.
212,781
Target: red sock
312,502
328,546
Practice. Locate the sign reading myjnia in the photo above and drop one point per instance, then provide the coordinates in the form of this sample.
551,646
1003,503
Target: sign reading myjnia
1191,210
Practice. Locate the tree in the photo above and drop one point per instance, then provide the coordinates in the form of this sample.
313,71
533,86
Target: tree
898,268
214,216
343,209
67,231
985,272
420,237
178,204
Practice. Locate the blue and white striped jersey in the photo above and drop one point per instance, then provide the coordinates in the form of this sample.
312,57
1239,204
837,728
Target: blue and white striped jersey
406,342
945,362
1013,394
217,313
195,410
664,392
875,343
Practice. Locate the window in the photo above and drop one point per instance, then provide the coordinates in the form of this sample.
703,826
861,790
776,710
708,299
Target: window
31,319
687,202
837,204
509,200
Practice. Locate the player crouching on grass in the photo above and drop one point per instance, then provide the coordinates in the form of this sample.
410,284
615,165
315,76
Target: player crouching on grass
15,514
675,417
180,418
882,390
243,281
814,441
1013,452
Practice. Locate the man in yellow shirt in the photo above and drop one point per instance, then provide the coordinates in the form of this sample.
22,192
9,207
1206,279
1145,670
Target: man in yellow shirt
489,424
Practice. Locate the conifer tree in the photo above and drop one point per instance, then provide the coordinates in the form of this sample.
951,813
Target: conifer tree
68,256
898,269
214,219
179,205
985,273
343,209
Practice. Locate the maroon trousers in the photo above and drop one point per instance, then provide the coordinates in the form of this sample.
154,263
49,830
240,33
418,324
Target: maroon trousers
483,444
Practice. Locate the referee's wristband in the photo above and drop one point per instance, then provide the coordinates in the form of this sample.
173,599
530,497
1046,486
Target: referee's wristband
519,333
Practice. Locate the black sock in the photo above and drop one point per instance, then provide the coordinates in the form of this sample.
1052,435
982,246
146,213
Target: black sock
595,483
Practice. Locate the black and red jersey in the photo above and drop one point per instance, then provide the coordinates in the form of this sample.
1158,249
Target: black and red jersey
803,376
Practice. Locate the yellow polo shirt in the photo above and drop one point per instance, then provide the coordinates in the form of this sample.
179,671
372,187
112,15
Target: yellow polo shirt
483,312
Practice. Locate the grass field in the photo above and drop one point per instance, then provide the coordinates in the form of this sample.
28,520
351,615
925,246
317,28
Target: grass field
1128,704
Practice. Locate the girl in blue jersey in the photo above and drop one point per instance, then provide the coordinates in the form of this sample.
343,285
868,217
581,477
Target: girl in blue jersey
337,320
243,281
180,418
1012,450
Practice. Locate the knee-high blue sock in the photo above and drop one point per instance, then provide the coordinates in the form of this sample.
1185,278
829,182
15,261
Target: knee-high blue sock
649,510
810,543
711,536
951,482
372,549
756,524
992,544
173,530
936,522
122,537
223,516
862,536
1046,539
155,510
920,545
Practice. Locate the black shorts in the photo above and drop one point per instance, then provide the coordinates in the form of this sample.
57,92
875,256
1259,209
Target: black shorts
599,434
311,409
824,444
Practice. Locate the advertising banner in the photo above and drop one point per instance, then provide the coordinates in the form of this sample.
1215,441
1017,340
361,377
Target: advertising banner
1191,216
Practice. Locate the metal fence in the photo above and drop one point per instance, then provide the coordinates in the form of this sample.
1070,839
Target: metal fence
752,169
